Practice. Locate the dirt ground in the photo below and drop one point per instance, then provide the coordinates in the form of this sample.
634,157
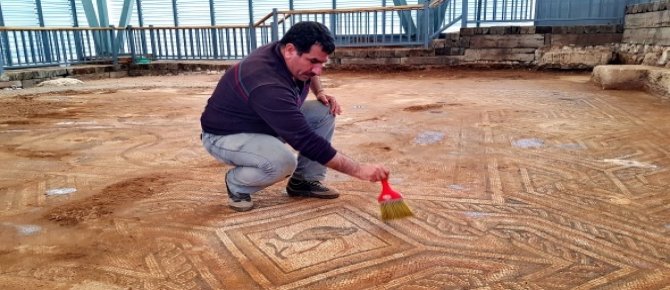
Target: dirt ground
518,180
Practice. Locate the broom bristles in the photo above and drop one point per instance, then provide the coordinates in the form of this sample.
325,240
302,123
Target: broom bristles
395,209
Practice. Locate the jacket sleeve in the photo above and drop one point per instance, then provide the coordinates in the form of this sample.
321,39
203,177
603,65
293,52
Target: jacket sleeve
279,108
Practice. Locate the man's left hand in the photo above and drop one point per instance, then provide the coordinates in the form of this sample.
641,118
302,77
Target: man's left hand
331,102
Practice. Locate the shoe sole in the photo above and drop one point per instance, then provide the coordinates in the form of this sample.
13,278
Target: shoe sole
292,193
232,205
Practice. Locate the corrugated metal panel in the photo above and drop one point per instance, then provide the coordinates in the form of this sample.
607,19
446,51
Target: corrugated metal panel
263,8
580,12
231,12
20,13
57,12
115,8
193,12
157,12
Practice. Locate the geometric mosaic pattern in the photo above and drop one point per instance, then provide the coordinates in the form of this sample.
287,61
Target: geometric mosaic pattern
517,181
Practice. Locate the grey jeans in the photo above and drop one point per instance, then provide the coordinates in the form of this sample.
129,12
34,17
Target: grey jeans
261,160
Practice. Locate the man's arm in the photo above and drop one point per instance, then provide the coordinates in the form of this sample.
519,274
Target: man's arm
369,172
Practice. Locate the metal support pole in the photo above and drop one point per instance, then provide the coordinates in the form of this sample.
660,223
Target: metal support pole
77,34
464,13
103,17
427,32
131,38
124,20
215,39
479,12
3,37
252,29
140,20
89,10
4,40
333,20
384,19
275,25
45,40
40,13
2,54
103,14
92,20
152,35
112,44
175,17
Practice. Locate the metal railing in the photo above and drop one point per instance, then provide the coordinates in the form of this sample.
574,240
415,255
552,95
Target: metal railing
30,46
408,25
217,42
372,26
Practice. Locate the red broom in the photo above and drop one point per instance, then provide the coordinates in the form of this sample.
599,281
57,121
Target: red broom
392,204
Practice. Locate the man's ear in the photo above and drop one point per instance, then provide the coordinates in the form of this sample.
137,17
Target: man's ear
289,50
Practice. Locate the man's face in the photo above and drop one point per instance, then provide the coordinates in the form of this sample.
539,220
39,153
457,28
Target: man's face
306,65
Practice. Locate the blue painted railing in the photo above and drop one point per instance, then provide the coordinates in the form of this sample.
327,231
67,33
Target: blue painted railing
373,26
415,25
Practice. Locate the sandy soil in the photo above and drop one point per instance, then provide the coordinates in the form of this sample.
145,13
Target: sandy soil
517,179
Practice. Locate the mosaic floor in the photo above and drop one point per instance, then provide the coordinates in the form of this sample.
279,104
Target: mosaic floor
518,180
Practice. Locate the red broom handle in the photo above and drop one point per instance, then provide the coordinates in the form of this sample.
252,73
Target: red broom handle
388,193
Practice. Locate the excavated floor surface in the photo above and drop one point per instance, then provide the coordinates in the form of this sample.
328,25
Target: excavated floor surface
518,180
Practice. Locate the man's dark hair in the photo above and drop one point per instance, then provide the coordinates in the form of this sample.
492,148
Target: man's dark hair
307,33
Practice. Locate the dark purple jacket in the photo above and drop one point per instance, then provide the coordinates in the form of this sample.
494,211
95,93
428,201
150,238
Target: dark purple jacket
259,95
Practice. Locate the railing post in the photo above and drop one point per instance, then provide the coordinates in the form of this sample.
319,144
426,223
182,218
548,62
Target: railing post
45,41
2,56
464,16
333,20
131,40
212,21
115,45
275,25
426,24
252,37
76,33
252,30
4,40
152,36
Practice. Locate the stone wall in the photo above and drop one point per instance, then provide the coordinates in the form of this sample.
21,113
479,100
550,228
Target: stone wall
27,78
646,37
573,47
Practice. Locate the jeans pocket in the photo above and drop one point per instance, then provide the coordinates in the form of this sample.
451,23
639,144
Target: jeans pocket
233,142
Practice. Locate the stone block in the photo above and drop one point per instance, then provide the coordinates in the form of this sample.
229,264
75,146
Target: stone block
118,74
430,60
527,30
651,36
26,84
574,58
524,55
658,81
507,41
370,61
10,84
620,77
93,76
439,43
51,73
648,20
585,39
467,31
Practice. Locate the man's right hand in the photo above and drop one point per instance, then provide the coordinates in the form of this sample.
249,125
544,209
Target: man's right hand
369,172
372,172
